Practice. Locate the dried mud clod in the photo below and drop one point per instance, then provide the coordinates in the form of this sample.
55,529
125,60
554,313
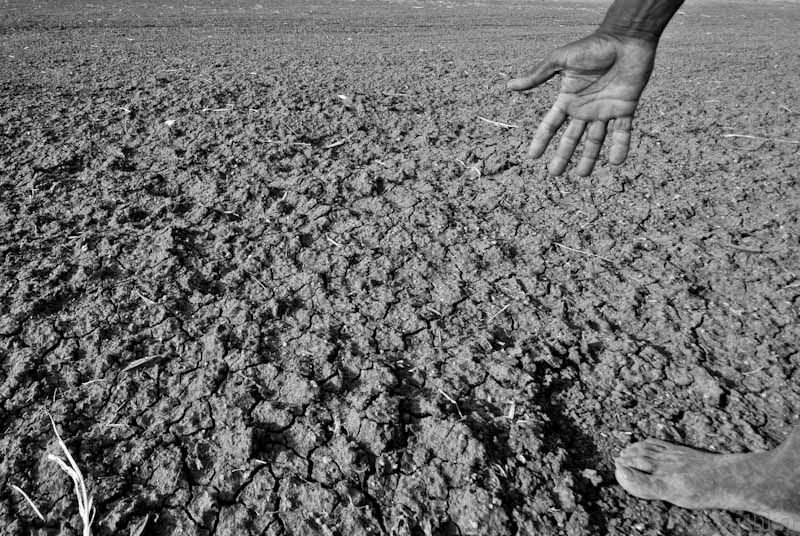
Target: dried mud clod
253,307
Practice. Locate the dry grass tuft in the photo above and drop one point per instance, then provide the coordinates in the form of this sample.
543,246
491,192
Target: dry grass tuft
68,465
138,530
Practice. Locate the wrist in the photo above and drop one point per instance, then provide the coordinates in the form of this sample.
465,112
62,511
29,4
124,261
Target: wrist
621,30
639,19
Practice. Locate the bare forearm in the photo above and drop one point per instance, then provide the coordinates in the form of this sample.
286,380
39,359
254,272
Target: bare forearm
644,19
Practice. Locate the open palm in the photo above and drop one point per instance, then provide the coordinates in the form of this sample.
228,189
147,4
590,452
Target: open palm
603,77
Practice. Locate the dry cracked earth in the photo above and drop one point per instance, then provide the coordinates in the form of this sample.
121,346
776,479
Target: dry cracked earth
254,307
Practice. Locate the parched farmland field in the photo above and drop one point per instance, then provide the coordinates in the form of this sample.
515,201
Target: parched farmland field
273,268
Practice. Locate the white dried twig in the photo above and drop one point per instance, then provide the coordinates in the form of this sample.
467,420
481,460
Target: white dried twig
498,313
145,298
475,170
512,410
434,311
139,362
338,143
298,143
257,280
583,252
497,123
751,137
30,502
450,399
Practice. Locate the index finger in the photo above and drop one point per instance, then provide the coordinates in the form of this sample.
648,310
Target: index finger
551,122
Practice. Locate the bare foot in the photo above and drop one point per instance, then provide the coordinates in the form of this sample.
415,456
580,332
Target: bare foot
764,483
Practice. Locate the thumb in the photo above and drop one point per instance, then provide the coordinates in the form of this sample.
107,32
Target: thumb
543,72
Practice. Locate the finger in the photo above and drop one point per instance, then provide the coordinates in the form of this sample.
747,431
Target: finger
595,135
620,140
543,72
572,135
544,133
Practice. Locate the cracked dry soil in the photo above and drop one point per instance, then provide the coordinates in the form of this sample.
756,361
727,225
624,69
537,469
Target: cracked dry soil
243,329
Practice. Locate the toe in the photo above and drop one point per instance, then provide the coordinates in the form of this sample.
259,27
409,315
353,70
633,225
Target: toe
657,444
665,453
638,483
641,462
636,449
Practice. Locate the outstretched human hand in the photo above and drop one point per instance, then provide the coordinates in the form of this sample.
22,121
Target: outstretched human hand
603,76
